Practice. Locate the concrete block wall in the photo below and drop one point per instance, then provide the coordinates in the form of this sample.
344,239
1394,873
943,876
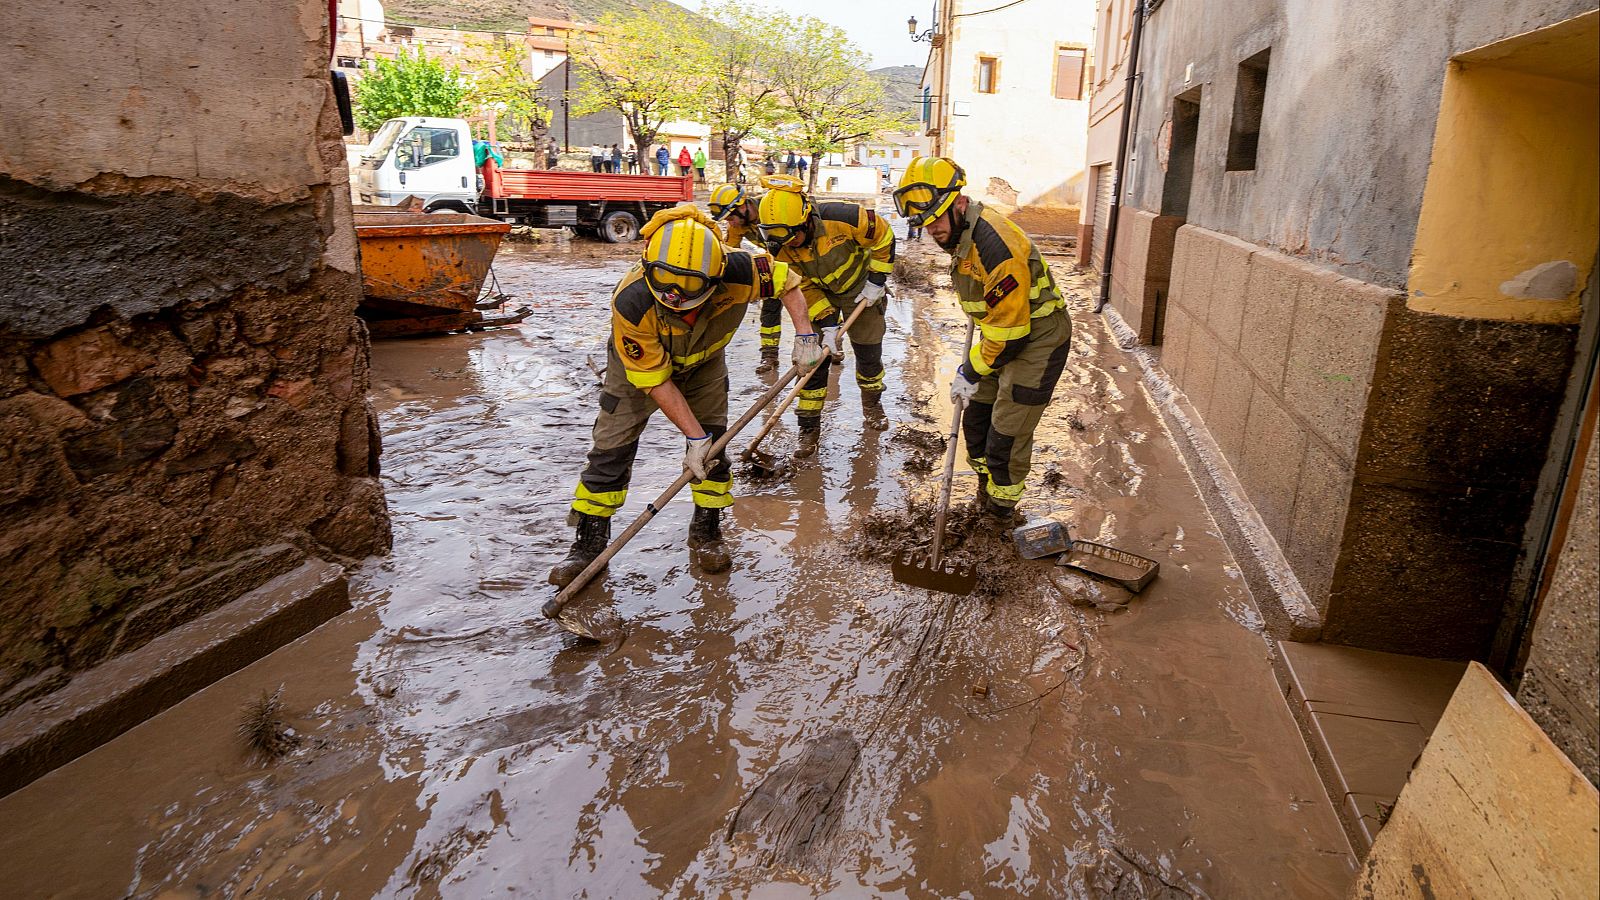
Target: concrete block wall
1141,268
182,377
1277,356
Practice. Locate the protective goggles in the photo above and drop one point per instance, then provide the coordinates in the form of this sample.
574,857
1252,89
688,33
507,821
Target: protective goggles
678,289
778,235
719,211
921,203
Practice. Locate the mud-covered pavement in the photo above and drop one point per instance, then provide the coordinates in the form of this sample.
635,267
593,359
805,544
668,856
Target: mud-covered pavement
800,725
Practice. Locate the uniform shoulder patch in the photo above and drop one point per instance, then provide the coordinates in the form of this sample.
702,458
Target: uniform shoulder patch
740,267
1001,291
633,301
632,349
992,249
872,224
763,269
840,211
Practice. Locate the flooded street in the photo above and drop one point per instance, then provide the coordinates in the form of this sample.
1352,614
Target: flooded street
798,726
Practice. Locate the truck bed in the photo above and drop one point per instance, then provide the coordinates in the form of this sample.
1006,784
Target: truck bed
576,187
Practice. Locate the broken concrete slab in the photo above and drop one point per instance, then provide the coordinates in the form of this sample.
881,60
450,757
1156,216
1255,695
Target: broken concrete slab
99,704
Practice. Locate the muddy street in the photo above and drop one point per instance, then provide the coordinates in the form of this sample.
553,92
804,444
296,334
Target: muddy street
798,726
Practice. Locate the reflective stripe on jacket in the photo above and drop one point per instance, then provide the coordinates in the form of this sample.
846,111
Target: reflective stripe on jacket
1002,283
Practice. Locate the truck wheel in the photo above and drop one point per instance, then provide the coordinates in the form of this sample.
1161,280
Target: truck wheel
619,227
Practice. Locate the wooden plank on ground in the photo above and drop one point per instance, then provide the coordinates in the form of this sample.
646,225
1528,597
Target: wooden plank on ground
1492,809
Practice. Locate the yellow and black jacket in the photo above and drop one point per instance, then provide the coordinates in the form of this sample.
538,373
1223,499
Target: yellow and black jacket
848,244
652,344
1002,283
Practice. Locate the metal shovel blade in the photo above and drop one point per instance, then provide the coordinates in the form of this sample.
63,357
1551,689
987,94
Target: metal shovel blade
764,465
915,570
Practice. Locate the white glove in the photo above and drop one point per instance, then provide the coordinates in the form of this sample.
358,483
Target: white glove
830,341
696,457
871,293
808,350
964,387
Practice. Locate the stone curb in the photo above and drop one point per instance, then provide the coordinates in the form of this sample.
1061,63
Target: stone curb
111,698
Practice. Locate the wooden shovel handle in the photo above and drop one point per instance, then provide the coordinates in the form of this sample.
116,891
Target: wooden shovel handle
777,414
949,463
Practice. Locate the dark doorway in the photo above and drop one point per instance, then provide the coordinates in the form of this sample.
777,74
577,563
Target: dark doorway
1180,161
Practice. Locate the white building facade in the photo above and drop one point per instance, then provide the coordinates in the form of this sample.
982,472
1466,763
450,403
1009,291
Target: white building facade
1006,96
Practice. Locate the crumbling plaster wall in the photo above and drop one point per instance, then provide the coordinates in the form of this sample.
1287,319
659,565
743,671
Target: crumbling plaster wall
182,377
1347,130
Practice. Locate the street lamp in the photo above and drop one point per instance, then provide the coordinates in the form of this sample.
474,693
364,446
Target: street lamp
911,29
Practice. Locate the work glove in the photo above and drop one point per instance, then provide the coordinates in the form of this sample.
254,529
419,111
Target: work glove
832,342
965,385
871,292
808,350
697,456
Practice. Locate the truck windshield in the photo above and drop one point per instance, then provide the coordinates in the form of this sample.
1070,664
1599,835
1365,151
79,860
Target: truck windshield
384,139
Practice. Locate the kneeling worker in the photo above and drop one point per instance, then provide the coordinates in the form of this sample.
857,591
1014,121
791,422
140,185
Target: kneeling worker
1005,288
671,317
845,253
735,207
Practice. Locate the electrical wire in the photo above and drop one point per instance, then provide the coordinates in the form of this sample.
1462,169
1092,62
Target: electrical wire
982,12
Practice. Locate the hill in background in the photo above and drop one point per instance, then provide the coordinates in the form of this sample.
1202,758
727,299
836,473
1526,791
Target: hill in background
901,86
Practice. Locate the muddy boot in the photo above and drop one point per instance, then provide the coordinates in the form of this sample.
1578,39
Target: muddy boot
1005,518
769,361
872,414
810,436
706,548
980,500
594,533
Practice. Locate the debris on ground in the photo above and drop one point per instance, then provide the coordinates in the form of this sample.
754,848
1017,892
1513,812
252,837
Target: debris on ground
263,729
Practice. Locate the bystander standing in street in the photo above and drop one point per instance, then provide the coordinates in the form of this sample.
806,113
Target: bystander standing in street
632,158
552,156
700,164
767,167
597,156
803,163
685,161
788,163
662,156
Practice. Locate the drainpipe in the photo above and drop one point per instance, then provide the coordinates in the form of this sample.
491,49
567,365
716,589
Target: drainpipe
1139,14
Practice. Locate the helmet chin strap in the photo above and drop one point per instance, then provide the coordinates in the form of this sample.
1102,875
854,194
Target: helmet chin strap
956,231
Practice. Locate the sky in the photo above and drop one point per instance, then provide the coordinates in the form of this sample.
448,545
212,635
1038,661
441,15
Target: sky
878,26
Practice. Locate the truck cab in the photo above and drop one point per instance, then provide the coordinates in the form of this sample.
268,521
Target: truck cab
427,158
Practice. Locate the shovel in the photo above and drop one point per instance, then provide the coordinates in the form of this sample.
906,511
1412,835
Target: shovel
553,608
765,464
938,574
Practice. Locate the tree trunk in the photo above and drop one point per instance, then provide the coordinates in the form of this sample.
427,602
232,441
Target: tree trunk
811,177
732,158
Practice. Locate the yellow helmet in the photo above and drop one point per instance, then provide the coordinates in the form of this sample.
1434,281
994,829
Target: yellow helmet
683,257
785,209
928,188
725,199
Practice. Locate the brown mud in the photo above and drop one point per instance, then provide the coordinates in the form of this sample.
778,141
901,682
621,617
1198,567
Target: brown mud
800,725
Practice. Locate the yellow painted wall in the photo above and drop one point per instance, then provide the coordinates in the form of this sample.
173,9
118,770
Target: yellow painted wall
1514,183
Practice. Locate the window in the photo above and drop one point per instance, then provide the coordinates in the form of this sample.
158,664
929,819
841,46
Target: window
988,75
896,153
1069,73
426,146
1249,92
549,54
927,104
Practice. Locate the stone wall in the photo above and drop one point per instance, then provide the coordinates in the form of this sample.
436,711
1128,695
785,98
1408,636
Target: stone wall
1392,454
182,379
1141,269
1561,684
1277,356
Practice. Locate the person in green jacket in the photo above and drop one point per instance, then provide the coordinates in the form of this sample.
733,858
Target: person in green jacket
700,164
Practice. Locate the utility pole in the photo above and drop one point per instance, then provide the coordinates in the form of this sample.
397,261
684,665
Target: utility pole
566,106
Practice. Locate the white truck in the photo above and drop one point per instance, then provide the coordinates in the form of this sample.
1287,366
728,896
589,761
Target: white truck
432,159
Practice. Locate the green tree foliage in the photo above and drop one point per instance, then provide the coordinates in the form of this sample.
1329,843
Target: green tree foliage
822,80
733,64
642,66
409,85
501,85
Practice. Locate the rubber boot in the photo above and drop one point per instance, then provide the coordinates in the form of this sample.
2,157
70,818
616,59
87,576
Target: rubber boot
810,436
706,548
769,361
872,414
594,533
980,500
1004,518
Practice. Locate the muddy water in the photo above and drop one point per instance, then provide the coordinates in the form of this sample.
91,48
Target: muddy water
798,726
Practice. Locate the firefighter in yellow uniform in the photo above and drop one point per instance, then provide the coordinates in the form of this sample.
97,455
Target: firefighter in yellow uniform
1004,286
671,317
735,207
845,254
